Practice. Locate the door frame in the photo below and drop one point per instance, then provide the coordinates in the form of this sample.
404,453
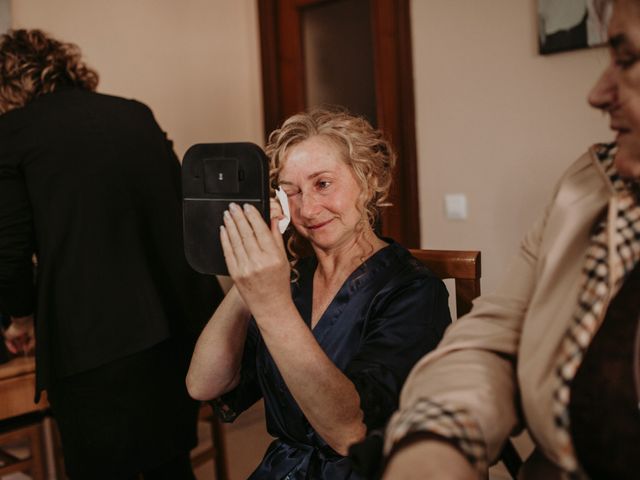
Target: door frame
283,93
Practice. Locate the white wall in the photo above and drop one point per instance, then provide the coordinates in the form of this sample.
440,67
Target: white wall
495,121
5,15
196,63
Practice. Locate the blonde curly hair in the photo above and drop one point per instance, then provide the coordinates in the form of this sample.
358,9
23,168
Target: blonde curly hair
365,150
32,64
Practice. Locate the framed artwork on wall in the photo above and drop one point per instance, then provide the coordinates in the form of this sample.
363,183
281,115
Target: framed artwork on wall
571,24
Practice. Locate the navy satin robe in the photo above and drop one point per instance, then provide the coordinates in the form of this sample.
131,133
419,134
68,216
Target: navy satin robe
385,317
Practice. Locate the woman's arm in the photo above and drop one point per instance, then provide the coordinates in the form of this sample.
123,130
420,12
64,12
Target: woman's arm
258,264
216,363
216,360
327,397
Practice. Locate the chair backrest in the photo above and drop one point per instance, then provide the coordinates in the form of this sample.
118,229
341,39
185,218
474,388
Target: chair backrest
463,266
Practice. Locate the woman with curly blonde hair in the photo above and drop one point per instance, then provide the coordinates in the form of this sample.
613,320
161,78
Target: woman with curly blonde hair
329,351
89,184
364,149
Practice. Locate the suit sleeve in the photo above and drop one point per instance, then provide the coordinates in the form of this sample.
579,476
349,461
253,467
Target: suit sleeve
17,294
465,391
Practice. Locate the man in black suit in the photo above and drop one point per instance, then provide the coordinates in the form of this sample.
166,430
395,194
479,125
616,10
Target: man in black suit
90,187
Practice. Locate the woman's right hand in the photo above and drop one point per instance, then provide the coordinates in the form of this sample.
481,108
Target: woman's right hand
257,261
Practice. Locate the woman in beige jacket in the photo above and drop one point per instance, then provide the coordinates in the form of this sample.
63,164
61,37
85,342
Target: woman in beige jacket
555,348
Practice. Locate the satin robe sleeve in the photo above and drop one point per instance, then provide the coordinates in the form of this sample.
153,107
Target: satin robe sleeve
404,322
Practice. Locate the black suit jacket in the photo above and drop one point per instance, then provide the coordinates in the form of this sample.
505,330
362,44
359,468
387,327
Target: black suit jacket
91,184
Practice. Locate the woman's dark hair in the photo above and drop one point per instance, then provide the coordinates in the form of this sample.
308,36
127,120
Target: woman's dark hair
32,64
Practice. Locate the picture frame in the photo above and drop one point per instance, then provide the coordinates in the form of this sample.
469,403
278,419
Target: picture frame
565,25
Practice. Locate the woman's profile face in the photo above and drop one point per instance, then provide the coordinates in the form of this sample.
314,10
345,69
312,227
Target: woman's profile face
323,193
617,91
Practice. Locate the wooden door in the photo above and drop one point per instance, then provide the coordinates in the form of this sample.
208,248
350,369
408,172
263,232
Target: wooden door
287,90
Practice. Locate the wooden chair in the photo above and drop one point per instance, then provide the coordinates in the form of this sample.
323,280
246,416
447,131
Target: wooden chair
461,266
464,268
217,451
20,418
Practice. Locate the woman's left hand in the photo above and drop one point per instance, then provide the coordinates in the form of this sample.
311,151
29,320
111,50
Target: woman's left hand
20,336
256,259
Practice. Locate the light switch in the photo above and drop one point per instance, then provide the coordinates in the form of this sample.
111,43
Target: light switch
455,205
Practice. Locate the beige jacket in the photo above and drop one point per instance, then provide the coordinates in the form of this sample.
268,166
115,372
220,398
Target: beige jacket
523,322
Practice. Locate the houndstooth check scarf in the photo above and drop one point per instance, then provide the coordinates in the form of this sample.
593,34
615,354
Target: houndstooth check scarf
612,254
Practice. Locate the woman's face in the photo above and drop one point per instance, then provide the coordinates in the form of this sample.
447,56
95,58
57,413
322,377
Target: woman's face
323,194
617,91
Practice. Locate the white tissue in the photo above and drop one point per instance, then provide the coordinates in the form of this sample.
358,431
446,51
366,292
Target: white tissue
284,202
